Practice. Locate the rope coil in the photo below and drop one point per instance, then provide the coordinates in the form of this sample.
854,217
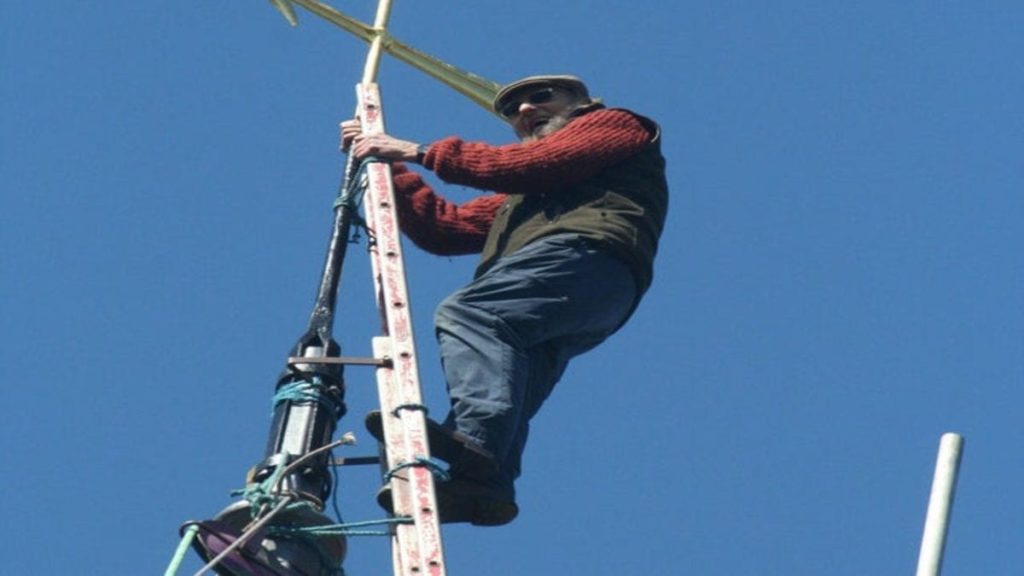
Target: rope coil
310,391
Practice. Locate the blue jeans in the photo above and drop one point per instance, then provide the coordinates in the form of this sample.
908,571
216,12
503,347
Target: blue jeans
507,337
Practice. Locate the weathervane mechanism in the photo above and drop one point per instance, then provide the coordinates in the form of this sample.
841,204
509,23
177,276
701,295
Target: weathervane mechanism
478,89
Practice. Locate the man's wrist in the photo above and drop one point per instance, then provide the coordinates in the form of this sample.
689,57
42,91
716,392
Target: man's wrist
421,153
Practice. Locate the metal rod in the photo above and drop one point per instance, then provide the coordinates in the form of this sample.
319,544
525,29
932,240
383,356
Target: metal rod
345,360
179,554
346,439
321,321
356,461
940,504
475,87
380,26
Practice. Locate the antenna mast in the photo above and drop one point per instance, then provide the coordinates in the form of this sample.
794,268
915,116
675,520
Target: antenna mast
279,527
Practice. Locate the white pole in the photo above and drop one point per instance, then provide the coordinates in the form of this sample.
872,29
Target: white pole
940,505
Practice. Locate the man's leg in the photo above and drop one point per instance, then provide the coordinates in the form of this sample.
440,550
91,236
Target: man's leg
506,337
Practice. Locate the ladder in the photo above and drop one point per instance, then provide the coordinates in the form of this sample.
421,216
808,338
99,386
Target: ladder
286,493
416,547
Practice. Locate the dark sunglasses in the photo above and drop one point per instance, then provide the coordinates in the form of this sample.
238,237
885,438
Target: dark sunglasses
511,108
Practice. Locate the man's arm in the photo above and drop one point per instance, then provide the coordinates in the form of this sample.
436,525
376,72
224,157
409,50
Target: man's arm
577,152
437,225
427,218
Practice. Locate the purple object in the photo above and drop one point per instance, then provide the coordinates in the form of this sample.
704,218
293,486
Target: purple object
266,553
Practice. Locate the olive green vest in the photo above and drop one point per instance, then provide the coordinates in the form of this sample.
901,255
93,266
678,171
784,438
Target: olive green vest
622,209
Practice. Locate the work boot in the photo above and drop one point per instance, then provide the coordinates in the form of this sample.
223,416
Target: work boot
464,501
455,448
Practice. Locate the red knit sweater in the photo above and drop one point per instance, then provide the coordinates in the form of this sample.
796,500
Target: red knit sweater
551,165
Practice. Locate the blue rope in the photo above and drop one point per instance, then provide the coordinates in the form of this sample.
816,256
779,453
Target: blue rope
306,391
352,194
436,469
352,197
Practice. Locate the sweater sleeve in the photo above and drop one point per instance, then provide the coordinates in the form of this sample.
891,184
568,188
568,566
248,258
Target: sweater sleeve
578,151
437,225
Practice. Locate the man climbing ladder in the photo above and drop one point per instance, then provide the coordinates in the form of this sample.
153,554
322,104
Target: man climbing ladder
567,245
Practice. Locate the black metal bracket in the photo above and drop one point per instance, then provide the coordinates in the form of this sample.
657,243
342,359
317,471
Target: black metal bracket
294,361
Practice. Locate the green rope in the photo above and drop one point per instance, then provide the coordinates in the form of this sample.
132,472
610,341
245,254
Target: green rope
262,495
348,529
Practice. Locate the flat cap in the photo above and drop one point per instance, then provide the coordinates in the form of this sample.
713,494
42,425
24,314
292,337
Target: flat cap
572,83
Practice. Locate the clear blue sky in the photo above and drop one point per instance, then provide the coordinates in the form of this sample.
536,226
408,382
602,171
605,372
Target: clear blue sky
841,280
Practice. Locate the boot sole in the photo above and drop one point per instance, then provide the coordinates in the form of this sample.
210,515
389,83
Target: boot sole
456,508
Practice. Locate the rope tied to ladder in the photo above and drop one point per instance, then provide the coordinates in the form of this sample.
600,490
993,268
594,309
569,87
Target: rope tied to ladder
435,468
351,196
418,407
347,529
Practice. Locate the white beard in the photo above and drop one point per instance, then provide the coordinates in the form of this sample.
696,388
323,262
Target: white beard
552,124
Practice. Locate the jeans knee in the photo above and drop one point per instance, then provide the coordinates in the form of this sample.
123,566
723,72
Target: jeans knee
448,312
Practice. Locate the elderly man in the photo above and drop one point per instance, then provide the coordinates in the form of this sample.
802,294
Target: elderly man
567,243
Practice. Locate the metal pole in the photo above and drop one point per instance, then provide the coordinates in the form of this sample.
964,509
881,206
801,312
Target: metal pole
380,25
477,88
940,504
